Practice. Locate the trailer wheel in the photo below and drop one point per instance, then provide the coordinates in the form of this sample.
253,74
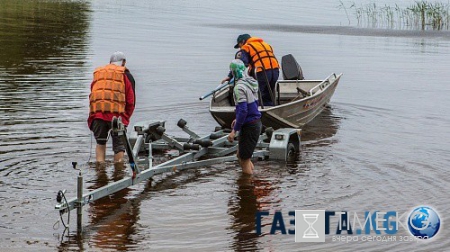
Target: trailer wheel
291,154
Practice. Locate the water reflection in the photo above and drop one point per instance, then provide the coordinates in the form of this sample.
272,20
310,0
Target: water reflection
322,128
36,34
43,55
112,218
42,73
254,193
242,207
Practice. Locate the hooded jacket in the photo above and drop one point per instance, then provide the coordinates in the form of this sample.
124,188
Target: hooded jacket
245,95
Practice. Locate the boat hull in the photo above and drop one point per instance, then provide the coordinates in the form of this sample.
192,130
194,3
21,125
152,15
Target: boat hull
294,114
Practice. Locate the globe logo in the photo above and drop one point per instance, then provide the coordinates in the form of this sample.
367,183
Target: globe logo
424,222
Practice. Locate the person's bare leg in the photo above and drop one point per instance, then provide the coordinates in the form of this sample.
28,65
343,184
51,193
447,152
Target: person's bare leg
100,153
246,166
118,157
240,162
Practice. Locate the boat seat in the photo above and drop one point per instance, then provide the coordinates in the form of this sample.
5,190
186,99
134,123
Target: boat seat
284,97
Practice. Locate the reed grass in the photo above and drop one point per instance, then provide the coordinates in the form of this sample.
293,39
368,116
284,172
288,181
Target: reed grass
421,15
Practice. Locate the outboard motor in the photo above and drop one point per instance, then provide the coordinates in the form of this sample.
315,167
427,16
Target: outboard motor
290,68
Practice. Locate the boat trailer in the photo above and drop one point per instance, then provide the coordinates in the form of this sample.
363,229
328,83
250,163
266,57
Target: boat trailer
189,152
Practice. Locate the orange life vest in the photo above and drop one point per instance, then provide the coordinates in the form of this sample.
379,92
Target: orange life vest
108,90
261,54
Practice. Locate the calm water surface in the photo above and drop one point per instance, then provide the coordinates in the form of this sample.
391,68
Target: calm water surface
382,144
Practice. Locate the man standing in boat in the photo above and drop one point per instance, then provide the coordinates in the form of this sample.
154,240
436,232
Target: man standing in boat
237,55
248,117
112,95
260,57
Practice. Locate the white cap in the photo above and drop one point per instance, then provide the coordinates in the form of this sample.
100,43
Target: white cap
117,58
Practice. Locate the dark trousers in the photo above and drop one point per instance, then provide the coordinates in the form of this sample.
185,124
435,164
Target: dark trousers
272,77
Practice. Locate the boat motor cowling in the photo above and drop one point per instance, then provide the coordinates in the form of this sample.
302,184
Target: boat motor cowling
290,68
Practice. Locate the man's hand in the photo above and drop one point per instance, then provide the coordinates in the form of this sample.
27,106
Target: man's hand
225,80
231,136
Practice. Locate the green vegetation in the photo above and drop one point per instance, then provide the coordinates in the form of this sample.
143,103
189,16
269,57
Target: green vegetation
421,15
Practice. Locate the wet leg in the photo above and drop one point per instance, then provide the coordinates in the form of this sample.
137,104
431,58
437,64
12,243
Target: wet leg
100,153
247,166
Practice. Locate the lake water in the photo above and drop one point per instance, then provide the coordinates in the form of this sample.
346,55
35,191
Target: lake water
381,146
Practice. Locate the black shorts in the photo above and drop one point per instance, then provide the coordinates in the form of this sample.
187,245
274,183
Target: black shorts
248,138
101,130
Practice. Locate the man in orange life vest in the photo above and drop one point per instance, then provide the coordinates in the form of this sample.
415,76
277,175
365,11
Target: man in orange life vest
259,55
112,94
